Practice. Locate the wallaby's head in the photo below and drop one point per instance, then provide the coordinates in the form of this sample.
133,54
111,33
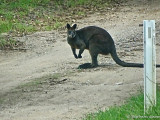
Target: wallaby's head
71,32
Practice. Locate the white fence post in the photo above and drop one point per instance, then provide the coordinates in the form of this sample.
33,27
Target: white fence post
149,64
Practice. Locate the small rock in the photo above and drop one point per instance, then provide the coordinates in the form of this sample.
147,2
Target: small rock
119,83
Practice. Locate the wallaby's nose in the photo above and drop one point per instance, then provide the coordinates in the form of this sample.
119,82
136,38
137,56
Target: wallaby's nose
70,36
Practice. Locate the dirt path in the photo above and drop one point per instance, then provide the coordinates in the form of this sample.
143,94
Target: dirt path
75,92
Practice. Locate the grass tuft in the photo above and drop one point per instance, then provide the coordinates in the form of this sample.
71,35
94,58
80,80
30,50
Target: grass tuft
7,43
132,110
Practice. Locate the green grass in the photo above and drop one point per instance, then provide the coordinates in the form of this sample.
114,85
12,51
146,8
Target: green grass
8,43
15,15
22,15
133,108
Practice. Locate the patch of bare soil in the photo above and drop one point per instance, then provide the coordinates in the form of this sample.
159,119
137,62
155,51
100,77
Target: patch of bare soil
44,83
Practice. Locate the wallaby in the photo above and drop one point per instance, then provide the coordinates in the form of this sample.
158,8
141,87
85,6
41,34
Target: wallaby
97,41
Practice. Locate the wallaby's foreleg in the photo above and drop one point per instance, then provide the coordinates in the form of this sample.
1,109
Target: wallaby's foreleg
80,52
74,52
83,46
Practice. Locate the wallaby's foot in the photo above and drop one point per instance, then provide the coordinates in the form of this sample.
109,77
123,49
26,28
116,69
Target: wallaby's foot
86,65
94,65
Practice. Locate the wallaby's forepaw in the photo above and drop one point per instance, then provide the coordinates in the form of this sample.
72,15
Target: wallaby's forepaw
76,56
79,56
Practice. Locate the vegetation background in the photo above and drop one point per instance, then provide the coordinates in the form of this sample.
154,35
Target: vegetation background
21,17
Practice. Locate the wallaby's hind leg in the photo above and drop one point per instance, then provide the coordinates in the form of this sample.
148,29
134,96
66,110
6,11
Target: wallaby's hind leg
94,60
94,53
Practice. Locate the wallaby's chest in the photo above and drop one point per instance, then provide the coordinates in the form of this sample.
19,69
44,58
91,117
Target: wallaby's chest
74,43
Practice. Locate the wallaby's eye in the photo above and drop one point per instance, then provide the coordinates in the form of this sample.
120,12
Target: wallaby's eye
71,31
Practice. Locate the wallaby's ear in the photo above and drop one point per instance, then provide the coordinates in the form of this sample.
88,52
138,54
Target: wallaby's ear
68,26
74,26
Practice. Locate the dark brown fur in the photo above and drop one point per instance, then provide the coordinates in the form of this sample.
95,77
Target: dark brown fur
97,41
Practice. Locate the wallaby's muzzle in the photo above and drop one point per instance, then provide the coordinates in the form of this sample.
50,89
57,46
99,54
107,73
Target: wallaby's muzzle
72,34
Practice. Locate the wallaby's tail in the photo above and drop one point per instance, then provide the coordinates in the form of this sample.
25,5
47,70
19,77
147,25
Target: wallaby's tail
122,63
